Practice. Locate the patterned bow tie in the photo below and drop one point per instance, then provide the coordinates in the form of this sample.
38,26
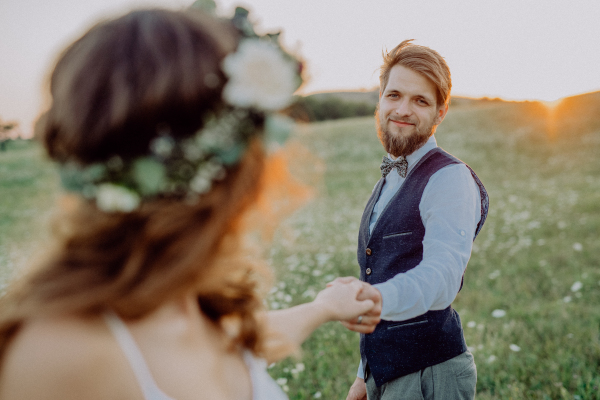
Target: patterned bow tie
400,164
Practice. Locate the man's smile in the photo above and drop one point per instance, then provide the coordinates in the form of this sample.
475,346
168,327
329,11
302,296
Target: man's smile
401,123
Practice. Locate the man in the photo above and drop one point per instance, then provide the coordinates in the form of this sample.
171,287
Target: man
415,240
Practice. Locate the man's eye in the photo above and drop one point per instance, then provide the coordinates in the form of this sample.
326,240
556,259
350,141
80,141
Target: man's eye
422,102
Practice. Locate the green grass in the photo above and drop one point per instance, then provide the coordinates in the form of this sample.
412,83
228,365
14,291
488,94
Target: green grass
28,187
541,237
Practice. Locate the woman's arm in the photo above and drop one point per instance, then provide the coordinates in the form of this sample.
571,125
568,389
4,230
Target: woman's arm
335,303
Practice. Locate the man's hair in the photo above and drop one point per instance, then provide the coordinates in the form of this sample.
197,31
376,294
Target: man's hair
423,60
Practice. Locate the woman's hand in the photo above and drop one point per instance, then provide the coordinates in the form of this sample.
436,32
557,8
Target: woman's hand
341,300
367,321
345,299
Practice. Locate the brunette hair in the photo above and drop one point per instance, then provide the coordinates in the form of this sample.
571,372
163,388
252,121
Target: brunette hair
423,60
111,90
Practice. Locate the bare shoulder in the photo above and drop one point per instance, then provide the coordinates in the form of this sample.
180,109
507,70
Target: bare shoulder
61,358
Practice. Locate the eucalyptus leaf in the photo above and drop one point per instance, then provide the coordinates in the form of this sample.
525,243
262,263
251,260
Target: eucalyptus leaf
232,154
73,178
208,6
149,175
278,128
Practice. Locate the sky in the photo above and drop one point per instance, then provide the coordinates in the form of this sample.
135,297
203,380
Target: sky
513,49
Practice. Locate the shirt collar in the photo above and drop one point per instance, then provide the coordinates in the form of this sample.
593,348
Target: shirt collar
415,156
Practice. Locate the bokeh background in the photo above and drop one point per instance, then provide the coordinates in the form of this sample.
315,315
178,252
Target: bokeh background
524,115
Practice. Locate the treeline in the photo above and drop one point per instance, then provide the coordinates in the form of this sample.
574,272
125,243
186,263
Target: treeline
321,108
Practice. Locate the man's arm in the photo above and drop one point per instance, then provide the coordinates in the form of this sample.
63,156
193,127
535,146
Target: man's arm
450,209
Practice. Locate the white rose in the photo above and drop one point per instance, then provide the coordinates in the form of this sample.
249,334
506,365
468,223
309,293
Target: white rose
259,76
111,198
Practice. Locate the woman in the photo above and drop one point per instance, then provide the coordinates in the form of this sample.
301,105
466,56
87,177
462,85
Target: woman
157,121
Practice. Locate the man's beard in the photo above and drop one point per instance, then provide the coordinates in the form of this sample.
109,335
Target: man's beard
400,145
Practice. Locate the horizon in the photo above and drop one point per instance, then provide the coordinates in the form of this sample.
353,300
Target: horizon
18,133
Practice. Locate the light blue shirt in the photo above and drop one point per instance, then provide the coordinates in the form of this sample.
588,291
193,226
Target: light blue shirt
450,210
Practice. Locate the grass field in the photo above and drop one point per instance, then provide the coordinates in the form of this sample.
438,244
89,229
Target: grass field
536,258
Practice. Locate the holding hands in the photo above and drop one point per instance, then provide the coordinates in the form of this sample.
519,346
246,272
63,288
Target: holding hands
356,304
361,322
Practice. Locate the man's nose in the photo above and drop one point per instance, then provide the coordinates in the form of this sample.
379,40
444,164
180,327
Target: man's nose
403,108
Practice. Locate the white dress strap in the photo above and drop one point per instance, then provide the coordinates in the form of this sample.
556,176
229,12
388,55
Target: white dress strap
136,360
263,386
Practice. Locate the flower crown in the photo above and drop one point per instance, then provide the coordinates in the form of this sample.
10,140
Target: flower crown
262,78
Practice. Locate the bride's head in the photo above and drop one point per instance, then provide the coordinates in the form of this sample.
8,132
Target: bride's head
157,121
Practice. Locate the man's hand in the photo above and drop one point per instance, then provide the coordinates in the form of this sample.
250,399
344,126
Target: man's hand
370,319
358,390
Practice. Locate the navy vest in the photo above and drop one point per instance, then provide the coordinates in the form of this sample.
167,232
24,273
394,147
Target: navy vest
398,348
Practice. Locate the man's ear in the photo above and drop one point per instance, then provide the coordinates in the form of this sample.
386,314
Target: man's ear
441,114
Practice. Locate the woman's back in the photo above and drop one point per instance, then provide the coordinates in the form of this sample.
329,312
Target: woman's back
73,358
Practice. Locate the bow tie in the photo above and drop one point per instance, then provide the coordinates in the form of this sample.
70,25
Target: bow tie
400,164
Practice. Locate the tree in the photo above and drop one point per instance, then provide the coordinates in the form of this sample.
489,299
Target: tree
5,132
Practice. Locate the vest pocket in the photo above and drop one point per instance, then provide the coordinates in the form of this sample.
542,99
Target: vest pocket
398,234
404,324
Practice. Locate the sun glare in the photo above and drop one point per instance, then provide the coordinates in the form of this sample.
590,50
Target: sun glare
551,105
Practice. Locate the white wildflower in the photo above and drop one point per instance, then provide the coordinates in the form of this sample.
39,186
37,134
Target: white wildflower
561,224
472,324
259,76
281,381
162,146
576,286
567,299
300,367
111,198
577,246
494,274
285,388
491,359
200,184
317,395
534,224
206,173
514,347
498,313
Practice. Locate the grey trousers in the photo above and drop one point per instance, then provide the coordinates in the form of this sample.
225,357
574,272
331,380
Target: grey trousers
454,379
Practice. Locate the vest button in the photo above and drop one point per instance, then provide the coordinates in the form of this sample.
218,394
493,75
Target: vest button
368,271
369,252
